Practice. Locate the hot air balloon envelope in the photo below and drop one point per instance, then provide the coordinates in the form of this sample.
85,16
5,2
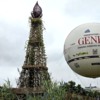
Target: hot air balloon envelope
82,50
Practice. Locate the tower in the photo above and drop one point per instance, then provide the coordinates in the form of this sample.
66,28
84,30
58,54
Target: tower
34,70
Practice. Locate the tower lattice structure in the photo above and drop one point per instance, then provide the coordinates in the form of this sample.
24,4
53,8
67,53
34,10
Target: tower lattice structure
34,70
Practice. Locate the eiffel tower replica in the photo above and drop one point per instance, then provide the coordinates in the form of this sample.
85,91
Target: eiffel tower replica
34,71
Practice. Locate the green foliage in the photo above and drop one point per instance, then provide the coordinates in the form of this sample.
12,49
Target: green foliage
53,91
6,92
35,20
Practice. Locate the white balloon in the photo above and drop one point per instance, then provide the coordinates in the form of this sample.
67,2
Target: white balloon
82,50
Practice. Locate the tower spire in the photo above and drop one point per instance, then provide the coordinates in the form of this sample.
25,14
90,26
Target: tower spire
37,11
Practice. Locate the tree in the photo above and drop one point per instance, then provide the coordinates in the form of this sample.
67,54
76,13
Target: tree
79,89
71,86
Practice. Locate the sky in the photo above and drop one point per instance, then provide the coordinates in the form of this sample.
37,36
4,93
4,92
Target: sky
60,17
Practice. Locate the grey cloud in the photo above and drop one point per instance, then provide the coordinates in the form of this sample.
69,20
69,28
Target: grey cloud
83,8
9,54
12,42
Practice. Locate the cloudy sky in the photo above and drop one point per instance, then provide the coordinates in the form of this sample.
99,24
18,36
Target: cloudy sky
59,18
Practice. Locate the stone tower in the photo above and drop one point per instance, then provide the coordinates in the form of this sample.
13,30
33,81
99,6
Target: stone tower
34,70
